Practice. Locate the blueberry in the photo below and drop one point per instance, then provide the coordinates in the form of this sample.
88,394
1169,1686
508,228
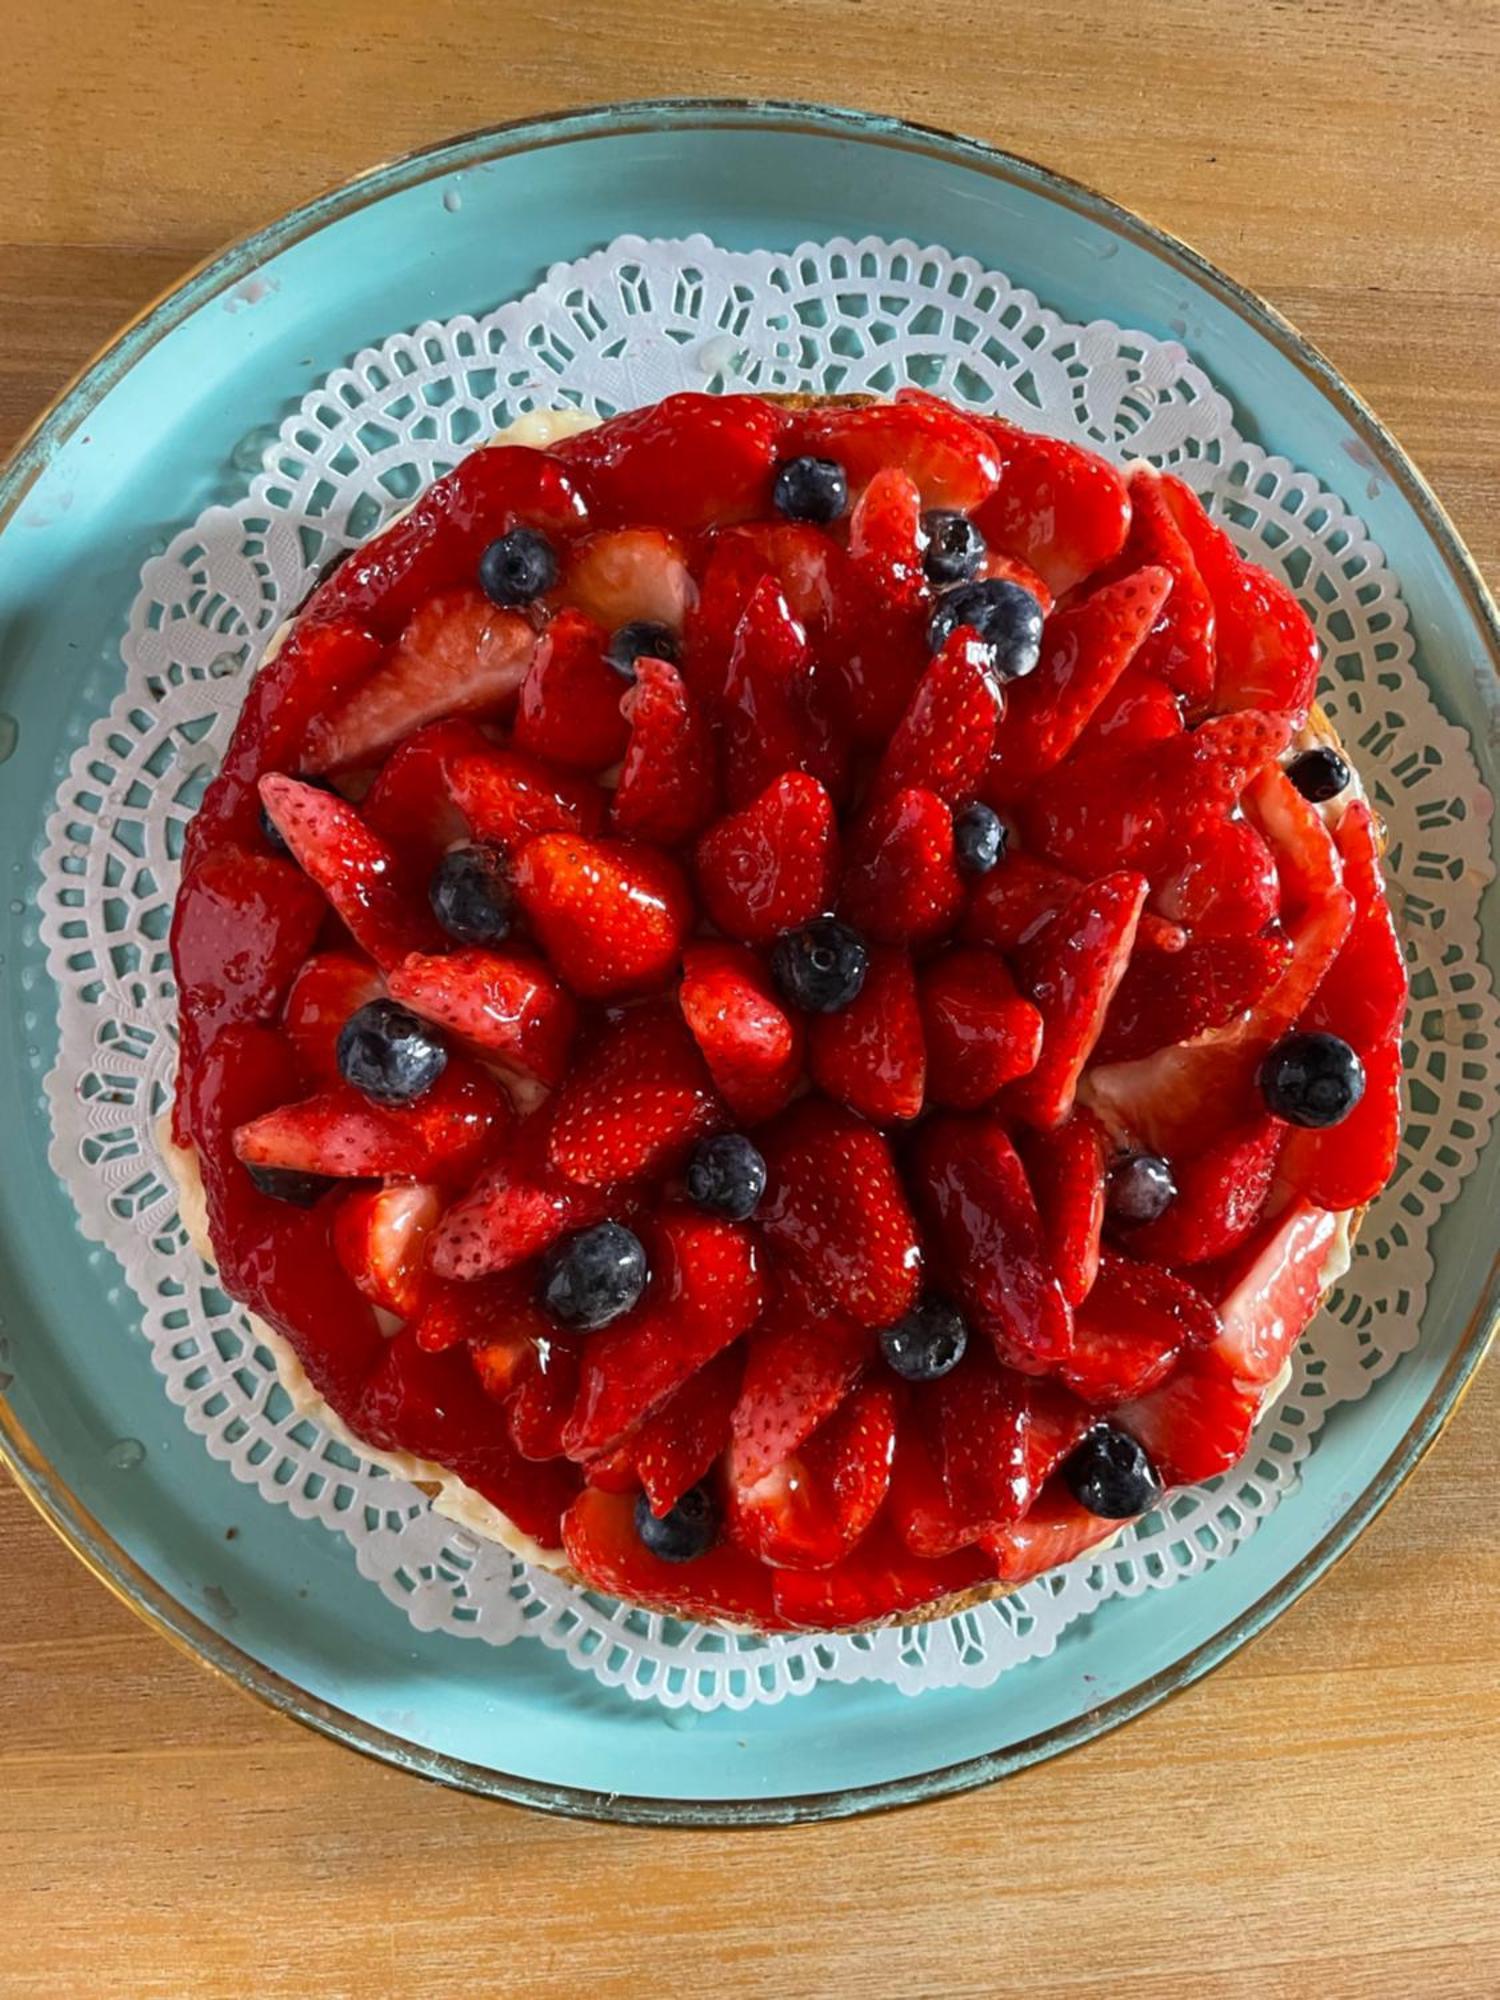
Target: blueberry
926,1342
979,837
727,1175
1111,1475
287,1184
389,1054
1312,1079
1139,1188
955,548
518,568
1319,774
1006,618
640,639
820,967
268,825
594,1275
684,1532
470,895
811,489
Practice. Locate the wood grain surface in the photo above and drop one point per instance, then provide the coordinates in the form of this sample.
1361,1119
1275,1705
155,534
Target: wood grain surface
1322,1817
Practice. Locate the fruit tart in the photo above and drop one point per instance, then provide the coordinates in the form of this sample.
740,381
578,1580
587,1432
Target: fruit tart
788,1003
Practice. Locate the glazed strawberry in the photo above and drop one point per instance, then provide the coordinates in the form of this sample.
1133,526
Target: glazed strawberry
330,987
668,782
1194,1424
1060,509
357,872
982,1227
411,804
942,743
706,1290
505,796
1349,1164
773,865
1273,1292
980,1034
770,724
339,1133
1222,882
1220,1196
516,1208
1179,649
611,915
1070,970
901,883
870,1055
1056,1530
380,1235
569,708
243,926
963,1467
835,1209
684,1438
812,1508
502,1004
801,1361
949,458
1307,861
460,655
752,1045
1165,998
1137,713
1363,995
1066,1169
875,1583
499,1312
685,463
886,539
637,1096
599,1534
538,1412
625,575
1129,1331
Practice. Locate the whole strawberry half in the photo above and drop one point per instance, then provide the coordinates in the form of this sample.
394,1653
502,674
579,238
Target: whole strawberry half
365,882
813,1507
668,784
751,1043
901,883
980,1034
611,915
503,1004
772,865
518,1206
871,1055
637,1097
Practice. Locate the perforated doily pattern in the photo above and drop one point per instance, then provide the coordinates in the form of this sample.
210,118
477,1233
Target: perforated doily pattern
619,328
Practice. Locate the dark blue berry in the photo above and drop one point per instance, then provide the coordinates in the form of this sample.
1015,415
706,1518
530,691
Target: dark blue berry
390,1055
471,896
979,837
1005,617
684,1532
1319,774
641,639
820,967
811,489
594,1275
1312,1079
518,568
926,1343
287,1184
727,1175
1139,1188
955,548
1111,1475
272,831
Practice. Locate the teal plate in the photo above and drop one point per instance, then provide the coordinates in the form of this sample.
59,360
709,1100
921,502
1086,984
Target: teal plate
136,448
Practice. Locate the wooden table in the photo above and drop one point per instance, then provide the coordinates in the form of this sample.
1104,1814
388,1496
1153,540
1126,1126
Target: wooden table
1319,1818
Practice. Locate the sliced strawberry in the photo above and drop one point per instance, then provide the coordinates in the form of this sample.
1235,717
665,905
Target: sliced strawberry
1348,1164
1131,1328
1014,901
635,1100
628,574
752,1045
878,1581
442,1135
570,699
1070,971
705,1290
1169,998
771,723
1085,650
774,865
1056,1530
1274,1292
460,655
875,663
668,781
980,1034
543,1402
514,1210
243,925
361,877
942,743
1220,1197
972,1193
971,1435
1136,714
614,1471
802,1360
1363,995
1307,861
599,1535
1224,883
807,564
1059,508
685,1436
499,1311
1066,1169
380,1235
506,796
504,1003
330,987
1196,1423
735,567
901,883
885,539
871,1055
951,459
835,1208
610,914
1179,650
690,461
411,804
811,1509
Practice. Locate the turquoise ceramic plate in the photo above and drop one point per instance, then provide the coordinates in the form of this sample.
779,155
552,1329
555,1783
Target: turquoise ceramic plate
138,446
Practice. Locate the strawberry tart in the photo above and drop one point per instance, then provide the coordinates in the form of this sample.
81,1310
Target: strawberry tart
788,1004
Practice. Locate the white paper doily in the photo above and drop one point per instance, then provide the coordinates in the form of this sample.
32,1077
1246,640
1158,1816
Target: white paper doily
616,329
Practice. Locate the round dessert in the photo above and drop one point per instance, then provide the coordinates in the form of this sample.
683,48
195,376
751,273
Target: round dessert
787,1002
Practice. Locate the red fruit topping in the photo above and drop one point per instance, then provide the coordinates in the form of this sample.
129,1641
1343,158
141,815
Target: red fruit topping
1350,1163
501,1361
1220,1197
498,1312
980,1034
1131,1328
443,1135
330,987
683,1439
604,1549
411,804
834,1207
668,780
886,541
380,1235
812,1508
950,458
1307,862
688,462
768,725
1168,998
460,655
802,1361
705,1290
901,883
243,925
752,1046
543,1402
963,1467
870,1055
1071,969
1060,509
1363,995
1196,1423
1274,1292
1180,647
774,865
514,1210
506,796
1066,1170
570,699
1055,1531
877,1582
629,574
942,743
610,914
985,1235
503,1004
361,877
636,1098
1224,884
